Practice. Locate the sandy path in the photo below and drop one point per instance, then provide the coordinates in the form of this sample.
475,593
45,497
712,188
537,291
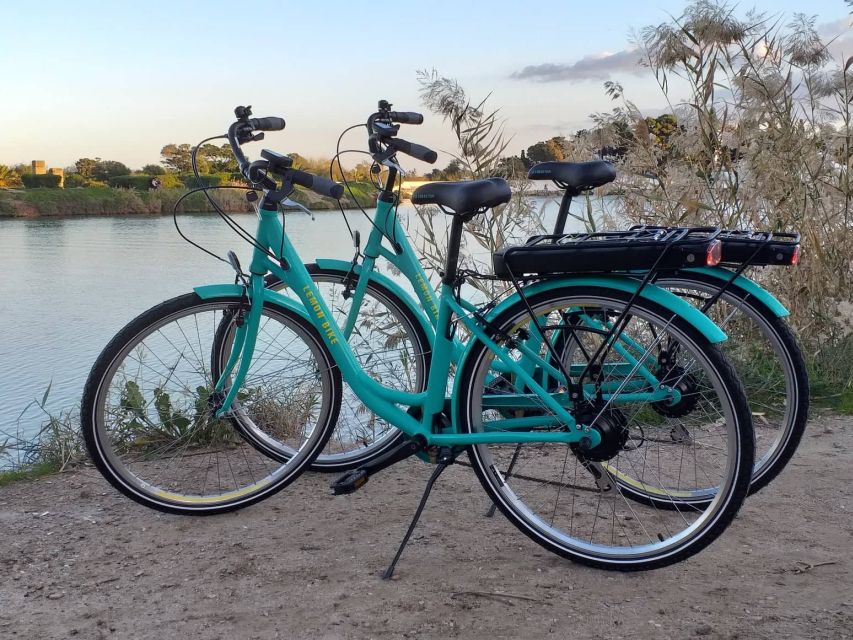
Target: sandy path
79,560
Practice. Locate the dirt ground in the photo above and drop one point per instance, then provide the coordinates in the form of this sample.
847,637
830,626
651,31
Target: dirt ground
79,560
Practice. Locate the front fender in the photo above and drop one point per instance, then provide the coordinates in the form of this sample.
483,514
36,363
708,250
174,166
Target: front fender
749,286
404,296
209,291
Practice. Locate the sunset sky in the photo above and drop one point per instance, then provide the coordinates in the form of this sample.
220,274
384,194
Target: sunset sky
119,80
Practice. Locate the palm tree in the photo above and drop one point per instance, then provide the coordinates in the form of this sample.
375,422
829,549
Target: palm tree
8,178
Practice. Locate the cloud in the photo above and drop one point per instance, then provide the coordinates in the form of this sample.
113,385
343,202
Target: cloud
595,67
835,28
839,36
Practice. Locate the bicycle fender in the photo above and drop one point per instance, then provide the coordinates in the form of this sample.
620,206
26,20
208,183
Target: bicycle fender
380,278
650,292
206,292
655,294
748,286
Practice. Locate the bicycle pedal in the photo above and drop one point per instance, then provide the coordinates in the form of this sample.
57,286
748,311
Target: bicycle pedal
350,482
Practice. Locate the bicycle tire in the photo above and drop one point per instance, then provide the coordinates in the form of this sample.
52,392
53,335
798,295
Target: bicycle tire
773,451
520,493
148,409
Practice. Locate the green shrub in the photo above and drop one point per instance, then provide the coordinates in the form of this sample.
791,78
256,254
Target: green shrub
170,181
142,182
45,180
139,182
74,180
205,180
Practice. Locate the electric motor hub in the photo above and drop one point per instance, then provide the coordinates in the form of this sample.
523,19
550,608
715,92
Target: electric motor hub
610,424
685,383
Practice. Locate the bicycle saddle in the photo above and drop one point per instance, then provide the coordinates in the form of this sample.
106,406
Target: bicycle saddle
464,197
575,175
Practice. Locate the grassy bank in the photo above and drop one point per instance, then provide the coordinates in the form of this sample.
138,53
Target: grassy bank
59,444
116,202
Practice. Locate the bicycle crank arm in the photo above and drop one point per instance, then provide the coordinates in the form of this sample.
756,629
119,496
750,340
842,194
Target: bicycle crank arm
354,480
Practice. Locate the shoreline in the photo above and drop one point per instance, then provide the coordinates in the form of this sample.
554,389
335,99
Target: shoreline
94,202
108,201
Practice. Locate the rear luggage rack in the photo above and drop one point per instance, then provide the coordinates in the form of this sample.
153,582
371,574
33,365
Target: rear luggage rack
755,248
641,248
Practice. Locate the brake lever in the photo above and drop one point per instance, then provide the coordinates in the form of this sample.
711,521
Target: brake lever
391,163
287,202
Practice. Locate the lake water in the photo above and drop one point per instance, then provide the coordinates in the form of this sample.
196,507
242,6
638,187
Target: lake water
69,284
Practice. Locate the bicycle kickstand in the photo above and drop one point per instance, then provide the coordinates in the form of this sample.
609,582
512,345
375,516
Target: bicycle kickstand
445,458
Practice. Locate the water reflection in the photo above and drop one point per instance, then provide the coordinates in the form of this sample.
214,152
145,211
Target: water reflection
70,283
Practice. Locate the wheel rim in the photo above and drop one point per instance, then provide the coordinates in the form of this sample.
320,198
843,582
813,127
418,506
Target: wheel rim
763,364
154,419
553,497
390,349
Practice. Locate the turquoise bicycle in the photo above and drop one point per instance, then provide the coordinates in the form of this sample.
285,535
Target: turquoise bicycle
391,332
159,424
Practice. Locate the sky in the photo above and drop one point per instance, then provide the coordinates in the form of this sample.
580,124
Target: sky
120,80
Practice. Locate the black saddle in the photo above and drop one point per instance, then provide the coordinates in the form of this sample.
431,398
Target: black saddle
575,175
464,197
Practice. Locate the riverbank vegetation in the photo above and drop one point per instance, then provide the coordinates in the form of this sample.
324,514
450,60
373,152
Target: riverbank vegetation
761,141
116,201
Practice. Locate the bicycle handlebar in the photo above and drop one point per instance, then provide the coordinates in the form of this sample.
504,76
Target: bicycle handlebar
317,184
415,150
381,131
266,124
256,172
406,117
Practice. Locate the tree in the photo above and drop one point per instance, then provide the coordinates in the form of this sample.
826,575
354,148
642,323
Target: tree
8,177
512,166
106,169
219,159
556,148
177,157
86,166
73,180
662,129
360,172
153,170
453,170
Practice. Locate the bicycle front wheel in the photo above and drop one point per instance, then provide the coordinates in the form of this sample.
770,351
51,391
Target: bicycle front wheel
602,507
149,403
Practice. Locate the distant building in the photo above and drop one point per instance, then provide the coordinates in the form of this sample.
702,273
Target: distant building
40,169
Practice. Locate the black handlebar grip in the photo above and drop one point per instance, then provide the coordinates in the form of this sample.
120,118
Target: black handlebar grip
415,150
266,124
407,117
317,184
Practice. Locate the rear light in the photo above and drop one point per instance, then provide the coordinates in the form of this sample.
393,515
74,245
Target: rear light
795,257
714,253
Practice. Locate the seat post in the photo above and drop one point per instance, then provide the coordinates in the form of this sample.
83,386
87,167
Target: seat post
563,211
453,243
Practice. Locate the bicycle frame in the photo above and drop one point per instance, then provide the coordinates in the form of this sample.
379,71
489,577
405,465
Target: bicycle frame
384,400
378,398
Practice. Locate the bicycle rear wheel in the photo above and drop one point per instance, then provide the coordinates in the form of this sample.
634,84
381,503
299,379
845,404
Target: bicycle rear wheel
768,361
149,403
601,507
